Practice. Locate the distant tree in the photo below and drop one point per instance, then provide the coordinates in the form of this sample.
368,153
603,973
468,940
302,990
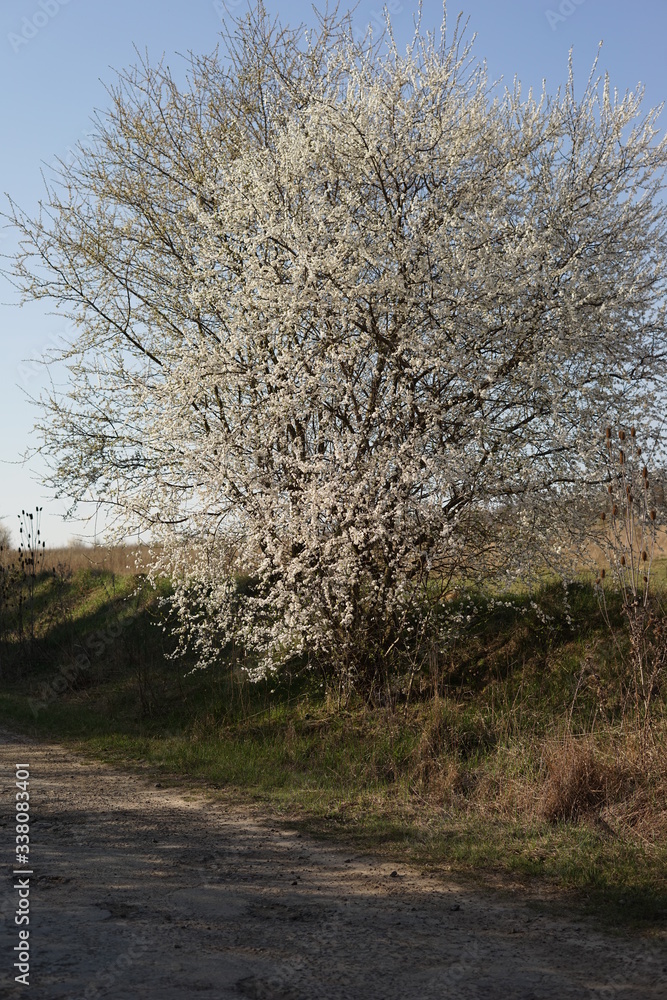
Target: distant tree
352,322
5,537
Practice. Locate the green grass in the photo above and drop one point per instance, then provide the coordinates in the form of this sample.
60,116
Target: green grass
456,783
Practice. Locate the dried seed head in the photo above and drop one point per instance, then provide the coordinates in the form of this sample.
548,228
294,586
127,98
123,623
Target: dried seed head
602,574
621,456
621,435
645,579
632,432
644,555
603,516
622,560
607,433
610,488
639,451
646,484
614,509
652,515
645,472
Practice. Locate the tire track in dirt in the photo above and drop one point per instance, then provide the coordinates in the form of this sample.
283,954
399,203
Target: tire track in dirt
163,894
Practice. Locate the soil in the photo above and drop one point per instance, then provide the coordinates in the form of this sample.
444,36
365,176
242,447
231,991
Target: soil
140,890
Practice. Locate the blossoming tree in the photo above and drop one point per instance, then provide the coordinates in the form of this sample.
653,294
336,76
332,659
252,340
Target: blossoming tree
349,321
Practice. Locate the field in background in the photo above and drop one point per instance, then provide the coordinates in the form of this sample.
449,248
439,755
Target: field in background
72,558
120,559
517,761
111,559
596,557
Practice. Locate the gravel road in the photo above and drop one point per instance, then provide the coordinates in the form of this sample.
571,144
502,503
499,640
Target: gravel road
163,894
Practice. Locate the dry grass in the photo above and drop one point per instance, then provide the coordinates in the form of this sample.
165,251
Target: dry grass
595,555
581,780
118,559
620,779
613,779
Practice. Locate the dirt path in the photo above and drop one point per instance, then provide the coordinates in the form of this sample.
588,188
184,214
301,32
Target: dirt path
141,891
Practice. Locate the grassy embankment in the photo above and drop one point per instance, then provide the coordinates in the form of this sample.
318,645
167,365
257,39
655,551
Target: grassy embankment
524,769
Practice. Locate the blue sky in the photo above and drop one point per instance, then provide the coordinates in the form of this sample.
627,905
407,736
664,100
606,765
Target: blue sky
55,57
